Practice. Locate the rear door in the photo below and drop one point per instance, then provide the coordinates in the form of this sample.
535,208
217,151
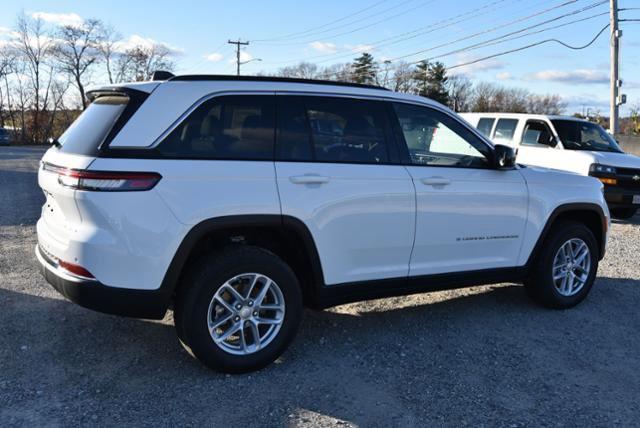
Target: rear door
469,215
335,171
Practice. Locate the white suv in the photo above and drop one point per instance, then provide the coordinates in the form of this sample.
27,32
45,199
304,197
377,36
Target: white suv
237,201
569,144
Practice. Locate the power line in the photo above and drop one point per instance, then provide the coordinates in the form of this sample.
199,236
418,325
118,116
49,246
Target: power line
298,33
557,18
506,38
530,46
332,36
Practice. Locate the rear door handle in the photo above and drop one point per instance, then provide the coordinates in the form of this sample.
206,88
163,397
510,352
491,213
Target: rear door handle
309,179
436,181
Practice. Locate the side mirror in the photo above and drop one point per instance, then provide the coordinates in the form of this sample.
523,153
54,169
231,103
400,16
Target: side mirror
505,157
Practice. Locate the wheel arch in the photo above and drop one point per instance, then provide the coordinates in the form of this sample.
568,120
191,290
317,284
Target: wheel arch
286,236
589,214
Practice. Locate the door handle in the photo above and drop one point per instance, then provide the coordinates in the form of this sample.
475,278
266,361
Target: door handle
436,181
309,179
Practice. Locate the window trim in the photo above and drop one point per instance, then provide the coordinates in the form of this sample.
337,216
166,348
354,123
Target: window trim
495,127
489,156
536,145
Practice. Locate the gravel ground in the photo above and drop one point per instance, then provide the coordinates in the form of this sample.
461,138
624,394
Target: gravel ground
479,356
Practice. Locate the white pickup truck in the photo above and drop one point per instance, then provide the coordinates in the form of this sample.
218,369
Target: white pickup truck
570,144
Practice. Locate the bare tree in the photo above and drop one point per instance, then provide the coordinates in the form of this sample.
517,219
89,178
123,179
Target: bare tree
304,70
108,49
77,49
34,46
139,62
460,92
546,104
402,79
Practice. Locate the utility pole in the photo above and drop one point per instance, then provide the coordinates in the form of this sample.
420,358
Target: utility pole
615,78
238,43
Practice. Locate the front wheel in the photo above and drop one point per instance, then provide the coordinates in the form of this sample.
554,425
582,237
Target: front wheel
566,267
238,309
623,213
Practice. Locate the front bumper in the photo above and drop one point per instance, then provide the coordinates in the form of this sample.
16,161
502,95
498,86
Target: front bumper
91,294
620,197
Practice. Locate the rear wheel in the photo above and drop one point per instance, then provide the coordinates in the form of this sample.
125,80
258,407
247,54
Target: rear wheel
239,309
623,213
566,267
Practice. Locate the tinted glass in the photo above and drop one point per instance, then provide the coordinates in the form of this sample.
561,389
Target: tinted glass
484,126
434,138
3,132
532,132
293,138
347,130
231,127
505,129
89,130
577,135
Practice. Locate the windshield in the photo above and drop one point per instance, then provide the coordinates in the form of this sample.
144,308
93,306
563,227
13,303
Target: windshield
89,130
576,135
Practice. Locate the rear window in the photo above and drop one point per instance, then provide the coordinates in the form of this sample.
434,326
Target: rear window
90,129
505,129
484,126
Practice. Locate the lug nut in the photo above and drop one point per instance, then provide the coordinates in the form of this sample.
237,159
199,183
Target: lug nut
255,314
238,306
250,302
237,319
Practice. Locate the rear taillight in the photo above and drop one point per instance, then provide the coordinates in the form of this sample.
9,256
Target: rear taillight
104,181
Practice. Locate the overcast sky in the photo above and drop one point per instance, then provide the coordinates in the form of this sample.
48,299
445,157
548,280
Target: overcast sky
330,31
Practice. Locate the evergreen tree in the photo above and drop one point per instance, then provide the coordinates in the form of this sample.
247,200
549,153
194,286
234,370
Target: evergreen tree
431,81
364,69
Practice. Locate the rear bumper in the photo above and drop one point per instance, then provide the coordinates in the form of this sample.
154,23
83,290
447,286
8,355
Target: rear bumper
620,198
91,294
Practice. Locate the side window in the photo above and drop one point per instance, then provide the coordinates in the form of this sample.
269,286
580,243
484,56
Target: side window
347,130
485,125
534,131
227,127
434,138
505,129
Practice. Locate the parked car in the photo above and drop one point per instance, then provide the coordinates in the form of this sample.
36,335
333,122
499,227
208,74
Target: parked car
570,144
5,138
238,201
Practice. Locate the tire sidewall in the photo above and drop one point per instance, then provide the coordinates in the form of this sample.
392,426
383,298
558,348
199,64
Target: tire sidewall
563,234
206,282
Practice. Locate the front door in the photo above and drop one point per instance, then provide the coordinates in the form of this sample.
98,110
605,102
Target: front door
469,215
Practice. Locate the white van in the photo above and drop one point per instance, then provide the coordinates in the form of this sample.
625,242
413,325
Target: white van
570,144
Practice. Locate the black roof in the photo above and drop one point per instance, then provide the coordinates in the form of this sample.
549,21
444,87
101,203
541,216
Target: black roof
225,77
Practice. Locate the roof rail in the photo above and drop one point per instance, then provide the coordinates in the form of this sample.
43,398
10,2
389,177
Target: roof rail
226,77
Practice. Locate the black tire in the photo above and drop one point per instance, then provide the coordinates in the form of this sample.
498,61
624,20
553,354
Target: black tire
540,285
623,213
199,286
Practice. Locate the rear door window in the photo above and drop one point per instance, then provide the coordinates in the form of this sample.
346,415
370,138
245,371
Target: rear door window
227,127
89,130
505,129
331,129
485,125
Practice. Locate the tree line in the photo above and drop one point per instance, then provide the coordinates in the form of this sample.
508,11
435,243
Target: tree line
431,80
45,69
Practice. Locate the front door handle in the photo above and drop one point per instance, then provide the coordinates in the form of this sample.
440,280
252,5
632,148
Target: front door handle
436,181
309,179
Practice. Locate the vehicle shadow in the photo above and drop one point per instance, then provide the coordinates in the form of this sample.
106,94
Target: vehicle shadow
414,363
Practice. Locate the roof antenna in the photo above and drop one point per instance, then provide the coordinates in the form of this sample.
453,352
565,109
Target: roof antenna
162,75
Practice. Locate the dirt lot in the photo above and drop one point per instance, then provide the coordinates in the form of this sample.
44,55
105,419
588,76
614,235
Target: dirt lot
480,356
